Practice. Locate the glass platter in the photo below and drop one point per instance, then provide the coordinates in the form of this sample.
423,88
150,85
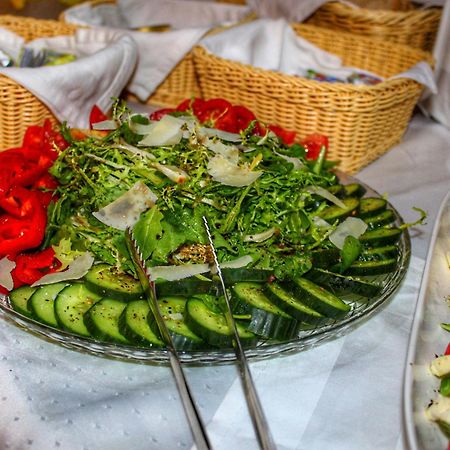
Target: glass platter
361,310
428,339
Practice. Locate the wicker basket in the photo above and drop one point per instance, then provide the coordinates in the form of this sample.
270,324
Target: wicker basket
408,25
19,108
362,122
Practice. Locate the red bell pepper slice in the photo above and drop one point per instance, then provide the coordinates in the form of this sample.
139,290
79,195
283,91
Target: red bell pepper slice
191,104
212,109
19,202
287,137
160,113
32,267
243,116
313,143
447,350
96,115
19,234
22,166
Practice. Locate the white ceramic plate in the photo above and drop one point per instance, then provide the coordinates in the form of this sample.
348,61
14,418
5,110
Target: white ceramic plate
428,339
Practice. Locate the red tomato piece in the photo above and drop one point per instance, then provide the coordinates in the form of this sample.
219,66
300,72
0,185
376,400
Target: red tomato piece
96,115
313,144
158,114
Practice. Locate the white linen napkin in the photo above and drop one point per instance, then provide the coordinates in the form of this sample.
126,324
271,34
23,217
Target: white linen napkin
102,70
271,44
175,13
359,365
438,105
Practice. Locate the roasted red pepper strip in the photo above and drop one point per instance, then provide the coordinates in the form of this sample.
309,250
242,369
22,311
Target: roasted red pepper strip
23,166
212,109
19,202
288,137
313,143
17,235
96,115
243,117
195,104
158,114
447,350
32,267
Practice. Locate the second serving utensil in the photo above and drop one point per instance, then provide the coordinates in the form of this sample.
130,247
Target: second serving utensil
254,405
193,416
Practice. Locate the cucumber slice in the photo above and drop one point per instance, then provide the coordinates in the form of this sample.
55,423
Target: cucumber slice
377,253
133,324
71,304
41,303
343,283
386,217
173,311
372,267
102,320
326,257
334,212
19,299
232,276
213,326
319,298
267,319
371,206
354,190
287,301
186,287
380,237
337,190
107,281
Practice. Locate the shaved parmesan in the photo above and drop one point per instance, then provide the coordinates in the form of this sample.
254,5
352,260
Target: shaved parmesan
225,172
136,151
230,152
173,273
6,267
77,269
318,190
298,164
173,173
351,226
167,131
105,125
260,237
237,263
125,211
225,135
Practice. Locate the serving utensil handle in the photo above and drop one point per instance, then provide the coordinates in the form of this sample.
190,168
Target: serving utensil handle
195,422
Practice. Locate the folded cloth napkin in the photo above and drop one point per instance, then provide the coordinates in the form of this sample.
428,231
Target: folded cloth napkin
139,13
271,44
101,71
158,53
438,104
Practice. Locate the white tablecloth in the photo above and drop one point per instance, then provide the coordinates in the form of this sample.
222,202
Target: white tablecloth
343,394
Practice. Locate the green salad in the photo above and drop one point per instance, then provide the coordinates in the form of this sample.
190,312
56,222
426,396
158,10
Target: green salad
289,236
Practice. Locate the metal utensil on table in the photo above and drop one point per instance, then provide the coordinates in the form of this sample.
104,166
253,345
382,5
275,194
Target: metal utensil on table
193,416
254,405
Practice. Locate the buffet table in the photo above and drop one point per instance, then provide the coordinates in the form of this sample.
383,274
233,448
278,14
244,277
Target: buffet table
345,393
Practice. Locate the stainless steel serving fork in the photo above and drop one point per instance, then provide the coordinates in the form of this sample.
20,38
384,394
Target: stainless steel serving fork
198,430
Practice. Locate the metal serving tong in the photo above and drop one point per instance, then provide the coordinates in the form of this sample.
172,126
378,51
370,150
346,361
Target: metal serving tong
254,406
193,416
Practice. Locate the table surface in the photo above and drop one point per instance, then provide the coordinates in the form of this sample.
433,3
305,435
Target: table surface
343,394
